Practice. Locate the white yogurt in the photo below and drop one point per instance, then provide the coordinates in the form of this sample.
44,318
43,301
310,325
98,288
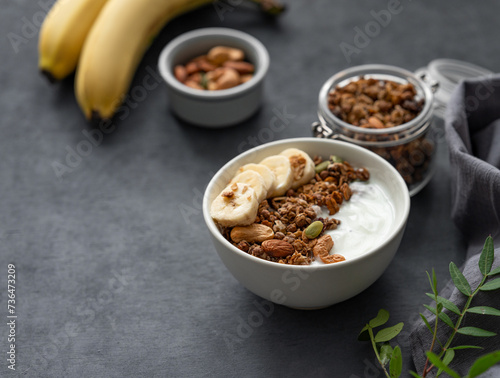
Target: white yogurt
366,219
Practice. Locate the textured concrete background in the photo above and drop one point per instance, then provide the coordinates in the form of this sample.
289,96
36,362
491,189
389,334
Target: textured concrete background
116,276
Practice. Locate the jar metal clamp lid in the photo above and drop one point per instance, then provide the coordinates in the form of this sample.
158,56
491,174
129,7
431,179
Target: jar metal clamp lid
446,74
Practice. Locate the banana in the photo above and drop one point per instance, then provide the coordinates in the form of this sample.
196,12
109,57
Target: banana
62,35
268,175
255,181
302,166
281,167
236,205
114,47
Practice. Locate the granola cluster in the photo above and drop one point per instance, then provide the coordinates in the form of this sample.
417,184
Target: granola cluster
282,229
373,103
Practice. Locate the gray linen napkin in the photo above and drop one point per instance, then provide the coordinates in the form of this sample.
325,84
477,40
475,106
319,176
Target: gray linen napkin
472,124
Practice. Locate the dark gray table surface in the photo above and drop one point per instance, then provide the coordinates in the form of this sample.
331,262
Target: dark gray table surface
116,276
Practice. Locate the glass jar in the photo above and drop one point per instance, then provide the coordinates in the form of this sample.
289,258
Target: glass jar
409,147
412,146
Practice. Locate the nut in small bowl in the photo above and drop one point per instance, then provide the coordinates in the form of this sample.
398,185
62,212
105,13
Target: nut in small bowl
343,260
214,76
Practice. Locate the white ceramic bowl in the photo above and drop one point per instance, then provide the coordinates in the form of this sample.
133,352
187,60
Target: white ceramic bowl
213,108
315,286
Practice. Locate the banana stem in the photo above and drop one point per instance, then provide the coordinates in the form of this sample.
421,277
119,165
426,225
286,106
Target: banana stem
269,7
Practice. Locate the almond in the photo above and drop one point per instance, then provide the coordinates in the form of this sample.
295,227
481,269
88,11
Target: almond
277,248
191,68
193,84
205,65
322,247
236,54
241,67
245,78
229,78
218,54
253,233
180,73
215,74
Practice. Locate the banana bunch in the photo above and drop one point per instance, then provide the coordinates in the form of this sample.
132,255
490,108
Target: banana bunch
62,35
238,203
105,40
115,46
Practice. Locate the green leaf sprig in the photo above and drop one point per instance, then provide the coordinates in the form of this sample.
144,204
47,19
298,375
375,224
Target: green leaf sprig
386,354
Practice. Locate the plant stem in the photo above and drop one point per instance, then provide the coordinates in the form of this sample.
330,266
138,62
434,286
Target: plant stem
434,337
374,345
455,329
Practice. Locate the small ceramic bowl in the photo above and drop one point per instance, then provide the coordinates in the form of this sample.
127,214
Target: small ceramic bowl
319,285
213,108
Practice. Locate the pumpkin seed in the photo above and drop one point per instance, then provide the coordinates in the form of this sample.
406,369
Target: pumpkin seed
314,229
336,159
322,166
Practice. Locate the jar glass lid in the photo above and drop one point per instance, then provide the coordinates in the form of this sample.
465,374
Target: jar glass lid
444,75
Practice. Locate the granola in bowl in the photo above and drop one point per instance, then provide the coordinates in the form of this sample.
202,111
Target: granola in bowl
286,225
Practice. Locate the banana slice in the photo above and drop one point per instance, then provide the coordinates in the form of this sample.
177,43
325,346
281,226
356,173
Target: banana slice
280,165
236,205
254,180
268,175
302,166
